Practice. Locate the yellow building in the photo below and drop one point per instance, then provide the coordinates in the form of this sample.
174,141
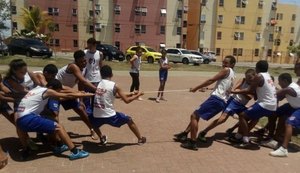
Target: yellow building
16,12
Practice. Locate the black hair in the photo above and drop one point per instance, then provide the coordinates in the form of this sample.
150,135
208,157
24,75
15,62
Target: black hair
50,69
273,79
163,50
78,54
106,72
15,65
250,71
54,84
91,41
286,77
139,48
232,59
262,66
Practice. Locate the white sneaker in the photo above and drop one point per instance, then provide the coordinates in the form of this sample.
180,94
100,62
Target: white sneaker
157,100
280,152
140,99
271,143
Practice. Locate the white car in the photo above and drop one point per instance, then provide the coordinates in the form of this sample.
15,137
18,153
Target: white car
184,56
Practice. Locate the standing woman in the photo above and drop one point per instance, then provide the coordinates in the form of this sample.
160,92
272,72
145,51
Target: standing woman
163,74
135,62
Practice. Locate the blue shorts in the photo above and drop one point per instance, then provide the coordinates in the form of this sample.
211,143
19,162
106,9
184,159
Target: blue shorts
163,75
234,107
89,101
294,119
54,105
35,123
4,107
285,110
211,107
255,112
116,121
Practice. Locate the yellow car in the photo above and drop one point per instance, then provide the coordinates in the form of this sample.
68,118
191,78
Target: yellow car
149,54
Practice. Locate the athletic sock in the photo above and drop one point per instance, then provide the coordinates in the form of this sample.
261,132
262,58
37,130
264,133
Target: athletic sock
238,136
74,150
246,139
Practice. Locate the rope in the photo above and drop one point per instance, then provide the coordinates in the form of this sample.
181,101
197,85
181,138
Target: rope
167,91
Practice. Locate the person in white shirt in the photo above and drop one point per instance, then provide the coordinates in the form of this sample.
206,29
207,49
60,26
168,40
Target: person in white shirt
134,72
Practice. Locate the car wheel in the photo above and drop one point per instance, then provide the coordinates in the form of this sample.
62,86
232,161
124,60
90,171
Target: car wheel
206,61
28,54
185,61
150,60
128,57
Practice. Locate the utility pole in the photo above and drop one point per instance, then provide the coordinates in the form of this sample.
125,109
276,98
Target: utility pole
199,34
94,19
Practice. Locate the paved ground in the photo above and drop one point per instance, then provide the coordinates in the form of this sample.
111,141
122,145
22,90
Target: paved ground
158,122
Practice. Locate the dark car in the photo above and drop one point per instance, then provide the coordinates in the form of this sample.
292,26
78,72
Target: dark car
3,48
110,52
206,59
29,47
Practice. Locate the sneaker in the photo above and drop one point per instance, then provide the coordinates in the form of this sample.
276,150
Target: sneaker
80,154
280,152
142,140
233,139
201,137
163,99
103,140
261,131
61,149
140,99
243,145
25,154
271,143
191,145
32,145
94,135
181,137
157,100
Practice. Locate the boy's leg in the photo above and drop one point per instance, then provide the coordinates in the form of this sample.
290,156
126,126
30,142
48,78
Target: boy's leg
216,122
282,151
133,127
3,158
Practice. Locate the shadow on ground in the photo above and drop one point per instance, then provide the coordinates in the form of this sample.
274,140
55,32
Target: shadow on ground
94,147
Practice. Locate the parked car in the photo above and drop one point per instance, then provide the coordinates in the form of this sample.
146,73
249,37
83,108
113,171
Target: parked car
211,54
176,55
3,49
149,54
206,59
29,47
110,52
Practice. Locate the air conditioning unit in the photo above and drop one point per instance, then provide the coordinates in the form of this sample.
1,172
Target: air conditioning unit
238,19
245,1
98,7
237,35
117,8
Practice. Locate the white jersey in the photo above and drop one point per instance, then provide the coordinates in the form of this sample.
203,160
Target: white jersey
223,86
104,99
164,61
66,79
136,67
92,69
294,101
241,98
33,102
28,82
266,95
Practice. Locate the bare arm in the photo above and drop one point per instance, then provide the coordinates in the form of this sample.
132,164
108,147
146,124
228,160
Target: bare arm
58,95
286,91
257,81
132,60
76,71
34,77
101,59
127,98
5,98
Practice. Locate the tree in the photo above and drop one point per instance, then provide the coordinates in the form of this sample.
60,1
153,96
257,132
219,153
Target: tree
295,50
4,14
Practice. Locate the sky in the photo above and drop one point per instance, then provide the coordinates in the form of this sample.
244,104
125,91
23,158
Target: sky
290,1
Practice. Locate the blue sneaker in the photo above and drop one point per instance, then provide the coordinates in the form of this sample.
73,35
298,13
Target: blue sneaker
80,154
61,149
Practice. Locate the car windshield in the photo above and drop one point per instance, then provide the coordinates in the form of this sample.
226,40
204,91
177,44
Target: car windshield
186,52
36,42
150,49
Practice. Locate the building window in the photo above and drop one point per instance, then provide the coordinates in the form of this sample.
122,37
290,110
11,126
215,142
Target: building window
238,36
221,3
98,27
162,29
203,2
202,35
291,43
141,11
271,37
117,9
74,12
219,35
293,17
53,11
75,43
269,53
117,44
292,30
179,14
15,25
274,7
98,9
140,29
91,29
117,27
91,13
56,27
185,9
241,3
278,29
218,51
258,37
13,9
256,52
259,21
203,18
240,20
178,30
75,28
54,42
277,42
184,24
237,52
178,45
163,12
260,4
279,16
220,19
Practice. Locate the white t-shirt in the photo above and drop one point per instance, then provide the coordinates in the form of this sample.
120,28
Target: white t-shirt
294,101
104,99
92,69
223,86
28,82
33,102
135,68
266,95
66,79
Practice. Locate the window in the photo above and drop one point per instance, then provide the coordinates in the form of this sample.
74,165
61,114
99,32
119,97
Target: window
278,29
241,3
259,21
117,27
13,9
271,37
293,17
258,37
178,30
15,25
291,43
203,18
56,27
74,12
53,11
141,11
202,35
117,9
162,29
260,4
221,3
203,2
277,42
269,53
220,19
92,29
98,27
75,28
279,16
184,24
219,35
238,36
117,44
140,29
218,51
237,52
75,43
54,42
292,30
179,14
240,20
274,7
256,52
91,13
163,12
178,45
185,9
98,8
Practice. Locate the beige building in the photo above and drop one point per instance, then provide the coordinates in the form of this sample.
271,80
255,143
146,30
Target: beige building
16,12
